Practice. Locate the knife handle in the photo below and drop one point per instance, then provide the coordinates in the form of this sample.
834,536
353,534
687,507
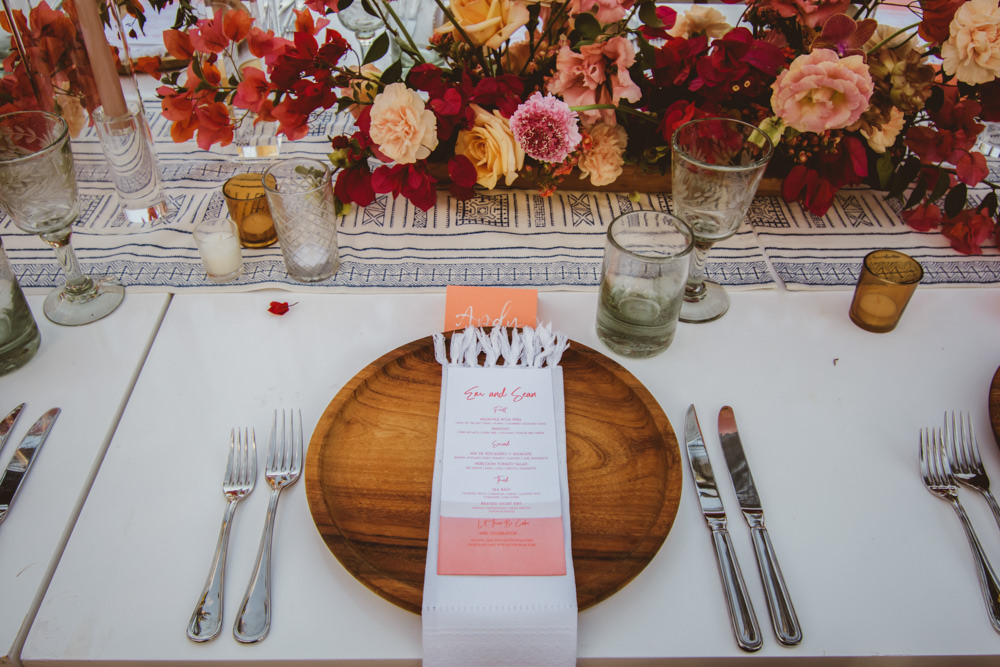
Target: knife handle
779,602
740,609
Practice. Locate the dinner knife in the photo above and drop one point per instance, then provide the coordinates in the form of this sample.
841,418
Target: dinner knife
20,462
740,608
779,603
8,424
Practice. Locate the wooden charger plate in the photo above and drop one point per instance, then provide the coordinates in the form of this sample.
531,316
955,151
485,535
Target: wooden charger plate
995,406
371,460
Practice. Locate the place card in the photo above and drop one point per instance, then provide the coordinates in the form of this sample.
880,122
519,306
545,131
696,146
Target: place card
501,508
489,307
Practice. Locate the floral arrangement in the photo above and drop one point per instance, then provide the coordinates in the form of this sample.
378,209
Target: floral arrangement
508,89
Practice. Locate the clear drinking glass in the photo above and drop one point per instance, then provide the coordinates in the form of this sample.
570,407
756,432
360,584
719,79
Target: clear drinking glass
19,336
364,26
717,164
38,191
646,258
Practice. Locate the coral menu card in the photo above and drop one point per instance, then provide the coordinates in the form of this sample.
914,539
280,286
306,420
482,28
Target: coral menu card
501,512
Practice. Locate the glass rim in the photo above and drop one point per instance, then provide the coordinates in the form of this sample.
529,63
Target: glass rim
757,164
49,147
681,226
896,255
260,190
292,161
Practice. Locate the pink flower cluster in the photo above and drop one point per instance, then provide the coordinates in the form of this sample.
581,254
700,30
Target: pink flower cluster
546,128
597,74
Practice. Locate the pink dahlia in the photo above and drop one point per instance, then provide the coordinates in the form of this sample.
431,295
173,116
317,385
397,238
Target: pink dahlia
546,128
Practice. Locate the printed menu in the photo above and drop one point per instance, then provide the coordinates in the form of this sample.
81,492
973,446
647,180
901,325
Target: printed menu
500,496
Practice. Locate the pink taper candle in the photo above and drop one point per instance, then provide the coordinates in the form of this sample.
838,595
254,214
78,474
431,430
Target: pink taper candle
101,62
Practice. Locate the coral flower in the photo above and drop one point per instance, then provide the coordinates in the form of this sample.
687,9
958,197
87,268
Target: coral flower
404,129
546,128
820,91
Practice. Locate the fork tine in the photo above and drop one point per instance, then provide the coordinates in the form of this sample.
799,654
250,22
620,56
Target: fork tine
231,459
253,456
271,446
971,440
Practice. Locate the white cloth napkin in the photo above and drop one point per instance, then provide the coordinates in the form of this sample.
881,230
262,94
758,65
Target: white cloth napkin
501,620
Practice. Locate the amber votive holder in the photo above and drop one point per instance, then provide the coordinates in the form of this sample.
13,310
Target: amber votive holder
887,281
248,207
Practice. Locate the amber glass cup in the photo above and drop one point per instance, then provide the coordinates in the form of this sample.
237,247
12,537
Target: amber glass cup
248,207
888,280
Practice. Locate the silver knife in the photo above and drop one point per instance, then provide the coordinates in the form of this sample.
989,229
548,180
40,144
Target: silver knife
8,424
20,462
740,608
779,603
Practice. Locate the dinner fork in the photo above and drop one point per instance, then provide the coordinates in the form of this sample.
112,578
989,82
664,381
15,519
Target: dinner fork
937,476
284,465
966,463
241,473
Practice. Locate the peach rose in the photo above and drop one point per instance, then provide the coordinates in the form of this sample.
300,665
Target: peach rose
604,159
972,50
700,20
488,23
881,139
821,91
403,128
491,148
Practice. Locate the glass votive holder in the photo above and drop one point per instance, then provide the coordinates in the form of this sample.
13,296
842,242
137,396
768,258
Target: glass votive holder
246,200
887,281
218,244
645,269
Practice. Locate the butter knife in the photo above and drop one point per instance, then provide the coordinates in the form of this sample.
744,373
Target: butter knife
20,462
779,603
8,424
740,608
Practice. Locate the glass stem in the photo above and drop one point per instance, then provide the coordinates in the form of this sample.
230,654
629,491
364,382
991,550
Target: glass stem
79,286
695,289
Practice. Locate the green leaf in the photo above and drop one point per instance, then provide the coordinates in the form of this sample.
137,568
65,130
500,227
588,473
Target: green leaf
343,4
940,187
956,200
917,194
647,12
378,48
901,180
884,167
588,26
393,73
989,203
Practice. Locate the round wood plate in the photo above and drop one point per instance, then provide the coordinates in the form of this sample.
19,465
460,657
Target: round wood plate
995,406
371,460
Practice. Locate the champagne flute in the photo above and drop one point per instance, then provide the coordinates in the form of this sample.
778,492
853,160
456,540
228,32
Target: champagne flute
717,164
38,191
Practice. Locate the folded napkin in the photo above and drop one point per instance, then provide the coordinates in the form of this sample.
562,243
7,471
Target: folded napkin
505,619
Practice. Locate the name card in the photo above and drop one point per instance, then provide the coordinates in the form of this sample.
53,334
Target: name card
489,307
501,510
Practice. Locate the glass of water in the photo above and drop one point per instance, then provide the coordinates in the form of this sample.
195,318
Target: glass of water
717,164
646,258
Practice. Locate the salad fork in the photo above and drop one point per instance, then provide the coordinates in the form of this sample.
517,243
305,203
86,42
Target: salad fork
937,476
284,465
241,473
964,450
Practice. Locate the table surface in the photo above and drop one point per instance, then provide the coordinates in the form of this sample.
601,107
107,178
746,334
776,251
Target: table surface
88,372
829,416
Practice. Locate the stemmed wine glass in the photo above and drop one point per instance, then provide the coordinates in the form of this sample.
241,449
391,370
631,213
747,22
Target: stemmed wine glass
717,164
364,26
38,191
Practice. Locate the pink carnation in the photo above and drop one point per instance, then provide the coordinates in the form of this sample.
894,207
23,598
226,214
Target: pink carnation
821,91
545,128
580,77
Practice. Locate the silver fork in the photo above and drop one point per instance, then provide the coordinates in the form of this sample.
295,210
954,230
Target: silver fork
241,473
964,450
284,465
936,472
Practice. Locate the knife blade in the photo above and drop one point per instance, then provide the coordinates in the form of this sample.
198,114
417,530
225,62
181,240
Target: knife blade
741,612
20,462
779,602
8,424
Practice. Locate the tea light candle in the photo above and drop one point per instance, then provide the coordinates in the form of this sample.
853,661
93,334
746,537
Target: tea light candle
877,309
219,248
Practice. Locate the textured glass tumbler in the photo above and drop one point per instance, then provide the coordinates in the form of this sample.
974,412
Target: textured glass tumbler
301,199
646,262
128,148
19,337
716,166
887,281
